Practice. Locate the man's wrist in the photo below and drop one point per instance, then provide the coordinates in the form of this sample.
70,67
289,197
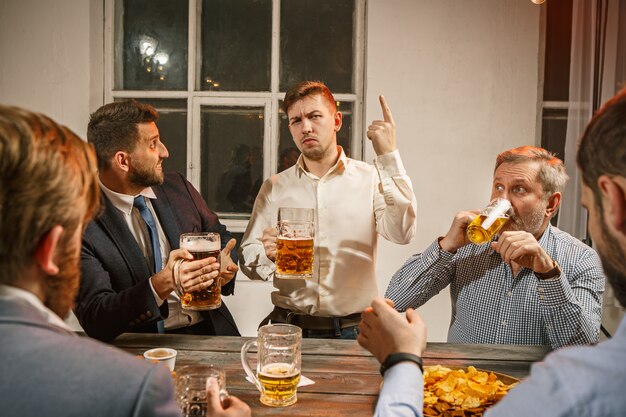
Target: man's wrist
551,273
398,357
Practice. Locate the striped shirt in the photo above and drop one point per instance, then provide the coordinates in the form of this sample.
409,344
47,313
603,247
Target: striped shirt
490,305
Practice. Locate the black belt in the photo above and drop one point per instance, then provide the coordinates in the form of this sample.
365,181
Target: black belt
308,322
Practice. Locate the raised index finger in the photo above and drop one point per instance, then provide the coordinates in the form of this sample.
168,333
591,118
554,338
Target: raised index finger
386,111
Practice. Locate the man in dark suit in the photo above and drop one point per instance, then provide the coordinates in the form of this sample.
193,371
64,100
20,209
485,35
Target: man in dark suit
127,283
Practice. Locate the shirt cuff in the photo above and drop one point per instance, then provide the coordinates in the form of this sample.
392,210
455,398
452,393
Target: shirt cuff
389,165
554,292
156,296
402,391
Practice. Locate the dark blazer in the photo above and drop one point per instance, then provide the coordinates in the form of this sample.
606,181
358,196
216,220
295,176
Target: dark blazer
115,294
50,371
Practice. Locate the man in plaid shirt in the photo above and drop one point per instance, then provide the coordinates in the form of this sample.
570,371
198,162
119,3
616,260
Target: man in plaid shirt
532,284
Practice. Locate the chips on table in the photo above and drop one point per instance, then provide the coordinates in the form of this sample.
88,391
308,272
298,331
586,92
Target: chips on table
456,392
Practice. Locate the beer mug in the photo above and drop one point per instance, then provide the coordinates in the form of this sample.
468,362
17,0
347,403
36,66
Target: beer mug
294,244
200,245
278,363
489,221
191,383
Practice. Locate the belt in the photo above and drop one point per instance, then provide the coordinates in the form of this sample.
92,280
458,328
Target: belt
308,322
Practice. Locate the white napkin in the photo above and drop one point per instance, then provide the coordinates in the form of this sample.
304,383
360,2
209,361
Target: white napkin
304,381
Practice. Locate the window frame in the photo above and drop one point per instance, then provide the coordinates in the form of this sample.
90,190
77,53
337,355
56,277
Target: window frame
268,99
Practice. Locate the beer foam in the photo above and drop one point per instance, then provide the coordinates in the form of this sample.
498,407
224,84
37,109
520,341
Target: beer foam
200,245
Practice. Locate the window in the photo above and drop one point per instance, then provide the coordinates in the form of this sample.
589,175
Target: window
217,71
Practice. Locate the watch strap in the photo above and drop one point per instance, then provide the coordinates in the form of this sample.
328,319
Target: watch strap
554,272
396,358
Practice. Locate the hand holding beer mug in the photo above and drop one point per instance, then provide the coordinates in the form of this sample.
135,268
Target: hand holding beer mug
489,221
191,388
278,363
294,244
201,246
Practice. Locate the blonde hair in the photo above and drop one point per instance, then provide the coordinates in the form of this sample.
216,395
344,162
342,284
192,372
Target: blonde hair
48,177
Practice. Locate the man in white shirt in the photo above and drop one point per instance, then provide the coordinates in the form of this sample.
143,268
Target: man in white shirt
353,201
48,191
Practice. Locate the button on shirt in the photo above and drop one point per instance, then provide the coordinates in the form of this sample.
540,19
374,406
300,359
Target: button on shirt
490,305
124,203
354,202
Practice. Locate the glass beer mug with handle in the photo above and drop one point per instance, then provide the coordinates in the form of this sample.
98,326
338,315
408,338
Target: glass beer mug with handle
489,221
278,363
294,243
191,381
200,245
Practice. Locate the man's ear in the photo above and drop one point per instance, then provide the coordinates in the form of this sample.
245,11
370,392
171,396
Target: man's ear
613,190
338,120
46,250
122,160
554,201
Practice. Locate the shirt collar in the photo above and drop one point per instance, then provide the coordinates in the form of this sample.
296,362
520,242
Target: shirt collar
340,165
8,292
124,202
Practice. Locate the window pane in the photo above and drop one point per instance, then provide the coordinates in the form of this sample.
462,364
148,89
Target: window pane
232,158
316,43
288,152
153,42
553,131
172,126
558,43
236,45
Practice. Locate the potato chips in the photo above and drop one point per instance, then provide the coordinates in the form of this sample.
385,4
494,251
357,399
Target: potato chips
456,392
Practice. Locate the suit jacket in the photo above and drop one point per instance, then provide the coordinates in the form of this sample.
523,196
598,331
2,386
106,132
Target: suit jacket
50,371
115,294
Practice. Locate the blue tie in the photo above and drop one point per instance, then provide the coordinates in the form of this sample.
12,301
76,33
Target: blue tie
147,217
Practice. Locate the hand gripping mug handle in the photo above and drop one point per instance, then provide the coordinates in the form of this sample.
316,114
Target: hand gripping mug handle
246,366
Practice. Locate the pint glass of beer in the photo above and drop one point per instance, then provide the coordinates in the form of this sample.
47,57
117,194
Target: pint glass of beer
278,363
202,245
294,244
489,221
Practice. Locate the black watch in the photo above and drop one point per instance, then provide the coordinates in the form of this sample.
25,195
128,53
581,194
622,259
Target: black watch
396,358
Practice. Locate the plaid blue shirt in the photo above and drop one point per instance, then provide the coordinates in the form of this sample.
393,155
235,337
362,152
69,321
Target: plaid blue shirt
489,305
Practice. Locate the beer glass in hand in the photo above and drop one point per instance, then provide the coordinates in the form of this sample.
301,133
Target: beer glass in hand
278,363
202,245
489,221
294,244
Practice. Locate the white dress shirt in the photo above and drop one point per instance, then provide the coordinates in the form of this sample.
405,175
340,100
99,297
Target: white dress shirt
354,202
124,203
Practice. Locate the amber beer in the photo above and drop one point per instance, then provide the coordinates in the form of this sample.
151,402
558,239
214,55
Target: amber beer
201,246
294,244
294,257
279,382
489,221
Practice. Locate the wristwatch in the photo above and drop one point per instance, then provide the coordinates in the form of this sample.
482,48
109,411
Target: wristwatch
396,358
554,272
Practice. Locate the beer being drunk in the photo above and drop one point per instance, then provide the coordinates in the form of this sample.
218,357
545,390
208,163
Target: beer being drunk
294,257
489,222
201,246
279,382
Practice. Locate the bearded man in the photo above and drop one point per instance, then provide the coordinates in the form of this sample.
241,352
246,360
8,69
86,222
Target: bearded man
531,284
129,250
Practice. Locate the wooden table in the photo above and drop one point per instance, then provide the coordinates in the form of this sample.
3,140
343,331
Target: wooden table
346,376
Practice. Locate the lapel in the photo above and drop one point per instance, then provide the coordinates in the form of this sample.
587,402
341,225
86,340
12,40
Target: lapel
113,224
163,210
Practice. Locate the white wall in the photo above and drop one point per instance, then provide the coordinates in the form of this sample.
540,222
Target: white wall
461,78
44,45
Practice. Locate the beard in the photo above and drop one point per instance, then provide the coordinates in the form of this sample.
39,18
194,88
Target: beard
145,176
61,289
612,258
530,223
